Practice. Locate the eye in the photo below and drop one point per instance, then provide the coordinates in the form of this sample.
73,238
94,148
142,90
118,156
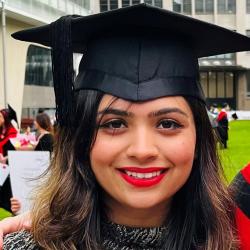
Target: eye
168,124
114,124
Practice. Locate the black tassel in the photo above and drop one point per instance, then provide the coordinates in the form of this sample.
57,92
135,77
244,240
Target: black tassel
62,68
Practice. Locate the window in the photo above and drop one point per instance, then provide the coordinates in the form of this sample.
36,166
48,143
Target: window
248,84
182,6
38,67
218,84
204,6
157,3
226,6
108,5
248,6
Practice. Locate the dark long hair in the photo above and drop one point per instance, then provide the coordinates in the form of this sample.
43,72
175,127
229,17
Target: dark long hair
66,214
44,122
7,120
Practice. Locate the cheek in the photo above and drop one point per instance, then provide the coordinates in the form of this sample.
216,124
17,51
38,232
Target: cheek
181,150
104,152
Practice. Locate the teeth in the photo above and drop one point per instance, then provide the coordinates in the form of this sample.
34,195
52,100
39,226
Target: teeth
142,175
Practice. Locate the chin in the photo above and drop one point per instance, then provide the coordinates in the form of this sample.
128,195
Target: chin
146,201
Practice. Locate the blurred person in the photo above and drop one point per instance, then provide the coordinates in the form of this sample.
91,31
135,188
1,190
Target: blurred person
223,125
240,187
45,130
7,131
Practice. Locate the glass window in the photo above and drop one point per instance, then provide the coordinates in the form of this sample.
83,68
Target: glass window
229,76
108,5
226,6
203,81
38,69
220,85
103,5
135,1
158,3
182,6
125,3
248,6
248,84
204,6
212,85
113,4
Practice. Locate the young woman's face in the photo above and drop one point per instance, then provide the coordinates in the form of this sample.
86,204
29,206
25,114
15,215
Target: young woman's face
1,120
143,153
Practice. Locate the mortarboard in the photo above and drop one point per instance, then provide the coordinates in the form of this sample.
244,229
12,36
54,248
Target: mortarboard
136,53
12,113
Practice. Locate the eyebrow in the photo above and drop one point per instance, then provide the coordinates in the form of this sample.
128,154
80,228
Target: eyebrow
125,113
113,111
165,111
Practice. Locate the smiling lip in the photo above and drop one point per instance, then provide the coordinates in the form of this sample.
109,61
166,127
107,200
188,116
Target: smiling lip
142,177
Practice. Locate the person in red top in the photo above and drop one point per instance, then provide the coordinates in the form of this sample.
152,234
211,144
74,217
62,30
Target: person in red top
222,128
241,187
7,131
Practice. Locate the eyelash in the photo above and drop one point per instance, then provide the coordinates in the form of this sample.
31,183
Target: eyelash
112,122
171,124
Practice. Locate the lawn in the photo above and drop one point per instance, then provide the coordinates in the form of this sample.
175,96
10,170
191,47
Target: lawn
238,153
233,159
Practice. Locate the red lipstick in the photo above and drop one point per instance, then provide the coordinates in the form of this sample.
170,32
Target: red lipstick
142,177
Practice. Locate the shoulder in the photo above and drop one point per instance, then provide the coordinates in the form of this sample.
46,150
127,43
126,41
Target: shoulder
241,189
22,240
47,137
246,173
11,131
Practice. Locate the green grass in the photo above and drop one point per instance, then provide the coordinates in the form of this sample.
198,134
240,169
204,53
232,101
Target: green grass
4,214
233,159
238,153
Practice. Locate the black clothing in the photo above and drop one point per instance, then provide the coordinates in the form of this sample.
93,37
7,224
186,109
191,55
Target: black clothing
223,131
45,143
115,237
5,190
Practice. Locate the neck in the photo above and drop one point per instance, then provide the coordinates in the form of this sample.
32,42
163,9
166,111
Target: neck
137,217
43,131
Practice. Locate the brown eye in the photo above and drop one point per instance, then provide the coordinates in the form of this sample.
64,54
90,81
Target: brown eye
168,124
114,124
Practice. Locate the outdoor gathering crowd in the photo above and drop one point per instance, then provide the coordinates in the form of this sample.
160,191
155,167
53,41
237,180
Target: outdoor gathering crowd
135,164
42,141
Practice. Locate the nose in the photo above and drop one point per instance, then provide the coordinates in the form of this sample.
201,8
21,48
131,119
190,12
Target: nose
142,147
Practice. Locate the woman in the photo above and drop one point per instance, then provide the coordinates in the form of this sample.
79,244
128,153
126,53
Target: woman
135,163
45,130
7,131
241,188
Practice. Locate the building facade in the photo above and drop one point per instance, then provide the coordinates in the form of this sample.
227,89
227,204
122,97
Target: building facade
224,78
26,77
25,69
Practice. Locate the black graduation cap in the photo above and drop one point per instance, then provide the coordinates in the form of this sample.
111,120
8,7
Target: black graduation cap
136,53
12,114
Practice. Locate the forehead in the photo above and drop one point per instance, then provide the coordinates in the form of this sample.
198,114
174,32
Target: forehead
147,106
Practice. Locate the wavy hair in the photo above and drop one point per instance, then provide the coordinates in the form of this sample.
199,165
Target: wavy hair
68,208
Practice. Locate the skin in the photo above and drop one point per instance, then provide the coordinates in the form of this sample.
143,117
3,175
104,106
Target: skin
139,135
142,139
1,120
